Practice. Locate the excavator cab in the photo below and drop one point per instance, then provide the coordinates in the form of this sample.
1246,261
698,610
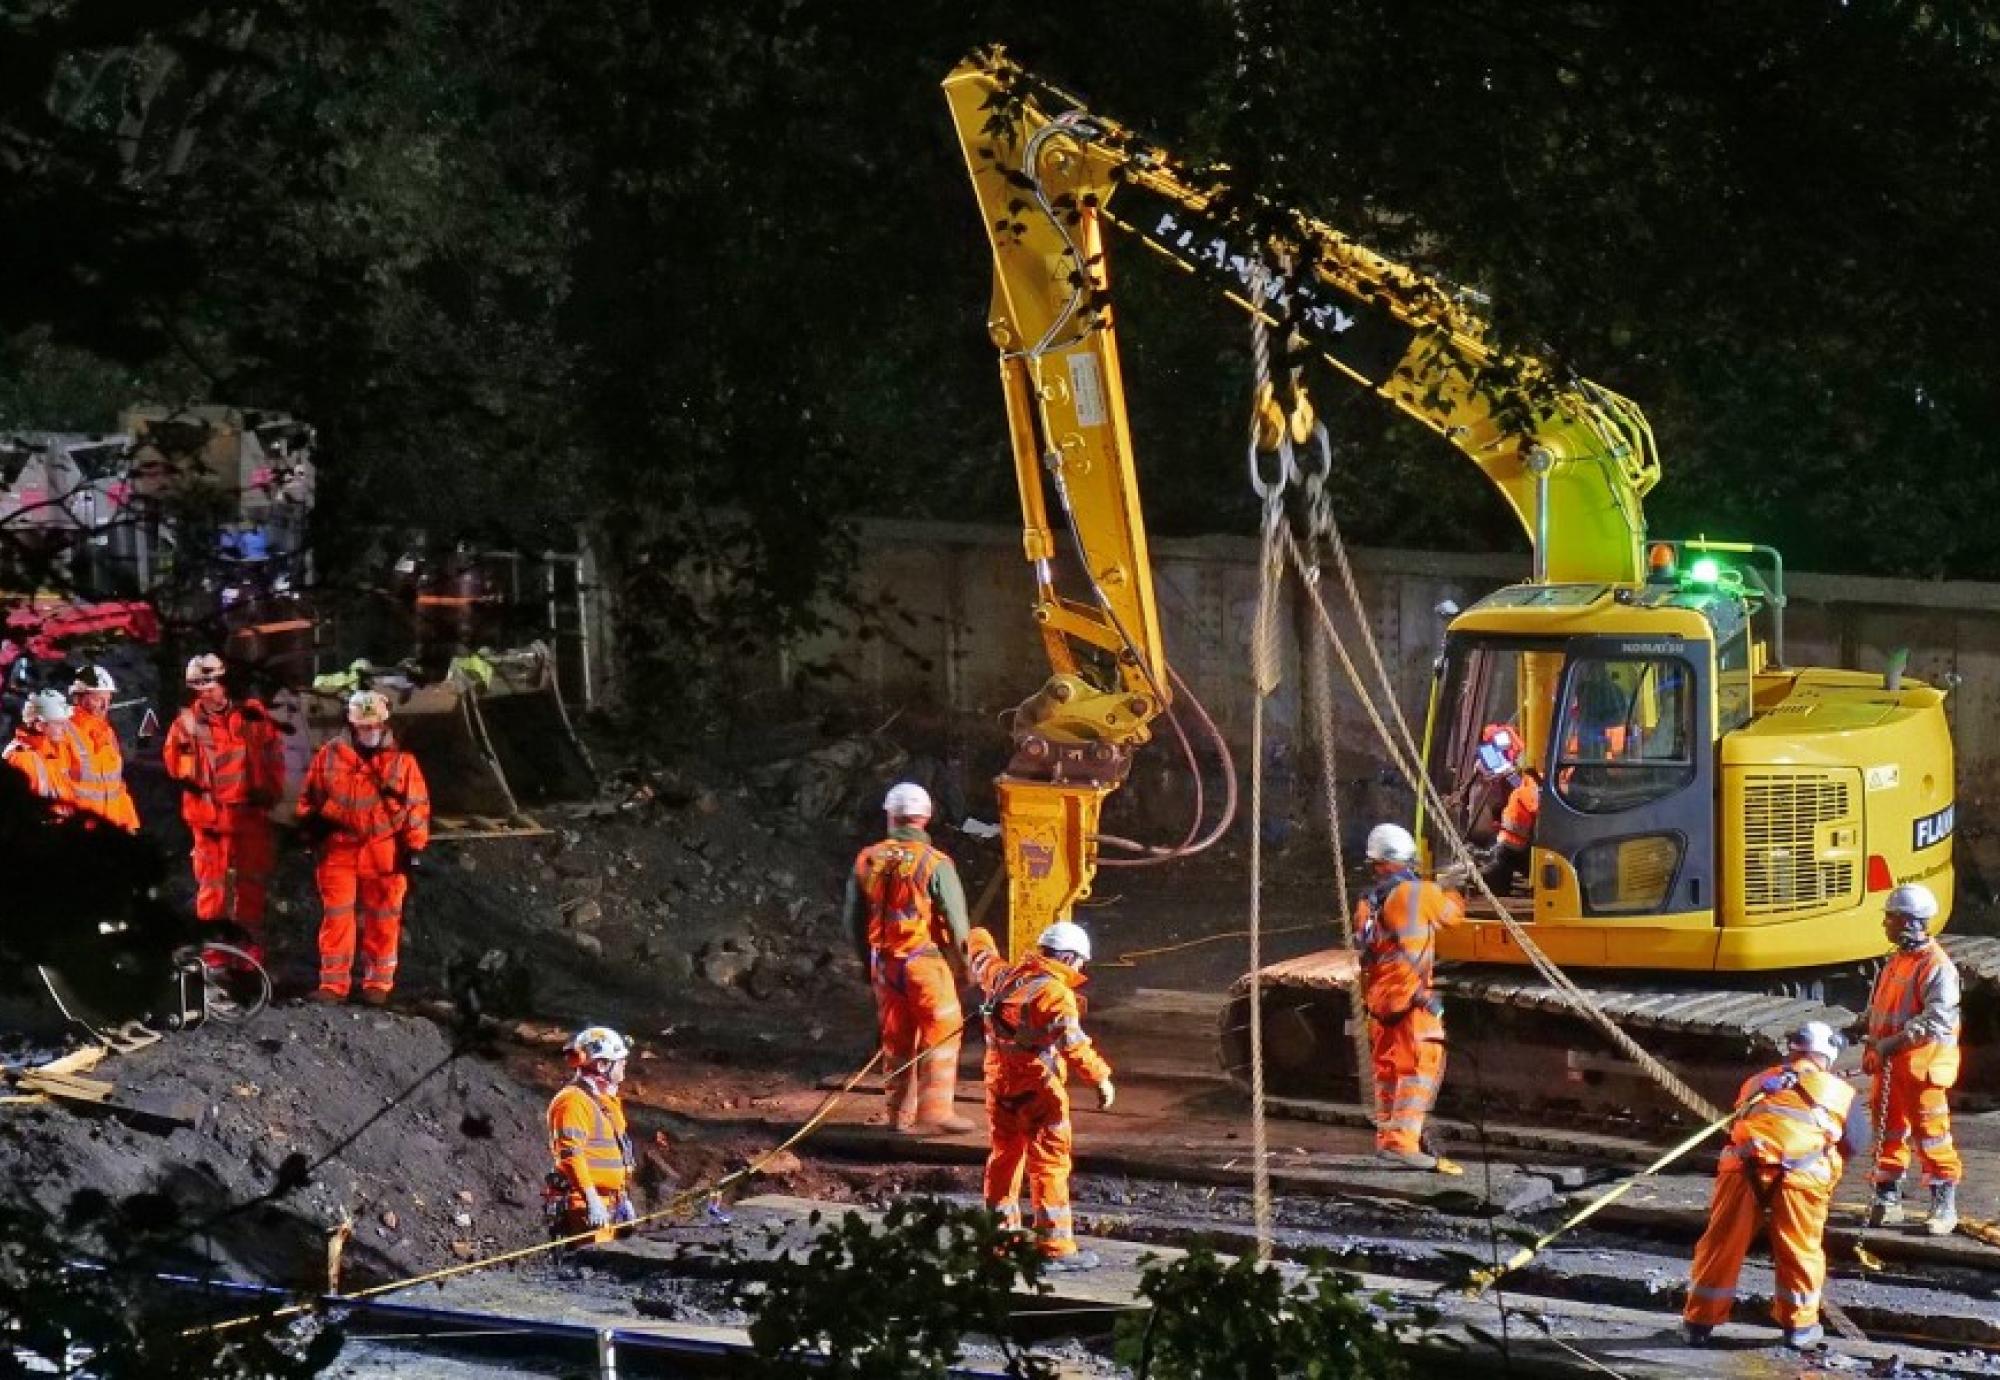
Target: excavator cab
1613,693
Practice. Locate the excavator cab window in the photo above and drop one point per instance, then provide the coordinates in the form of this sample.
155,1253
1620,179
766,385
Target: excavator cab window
1627,733
1488,685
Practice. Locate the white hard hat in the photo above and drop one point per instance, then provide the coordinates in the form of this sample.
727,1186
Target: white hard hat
1914,900
93,680
205,668
908,800
1065,937
1391,843
1816,1037
45,707
597,1042
368,707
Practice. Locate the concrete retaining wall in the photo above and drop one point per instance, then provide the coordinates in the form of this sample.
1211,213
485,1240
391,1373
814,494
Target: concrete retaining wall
947,624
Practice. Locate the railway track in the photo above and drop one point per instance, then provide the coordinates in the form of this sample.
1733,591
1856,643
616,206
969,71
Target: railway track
1596,1301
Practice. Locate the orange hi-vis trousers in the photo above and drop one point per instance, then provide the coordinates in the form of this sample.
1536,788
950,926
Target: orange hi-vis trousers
1408,1055
232,871
355,884
1918,1118
1798,1245
1030,1133
916,1003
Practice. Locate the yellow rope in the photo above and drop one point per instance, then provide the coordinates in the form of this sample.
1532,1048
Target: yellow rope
1130,958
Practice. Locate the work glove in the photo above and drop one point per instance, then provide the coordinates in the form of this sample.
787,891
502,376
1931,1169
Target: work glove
409,863
1455,876
1106,1096
625,1212
594,1210
1778,1082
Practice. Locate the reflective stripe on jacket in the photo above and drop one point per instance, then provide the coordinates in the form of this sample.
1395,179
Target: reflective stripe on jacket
46,775
1396,927
894,877
1900,994
377,797
1517,821
1796,1131
97,768
232,758
1034,1023
587,1137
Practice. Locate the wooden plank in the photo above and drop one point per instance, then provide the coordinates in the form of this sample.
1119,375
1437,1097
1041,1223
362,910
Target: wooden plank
70,1087
76,1061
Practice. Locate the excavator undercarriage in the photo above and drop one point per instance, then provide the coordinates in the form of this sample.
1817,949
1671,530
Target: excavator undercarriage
1518,1050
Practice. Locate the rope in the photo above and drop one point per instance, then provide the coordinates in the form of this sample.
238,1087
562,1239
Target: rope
1319,680
1410,768
675,1206
1482,1280
1130,958
1264,666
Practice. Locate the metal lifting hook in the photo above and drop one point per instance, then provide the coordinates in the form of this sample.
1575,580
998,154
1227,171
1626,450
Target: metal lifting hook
1273,490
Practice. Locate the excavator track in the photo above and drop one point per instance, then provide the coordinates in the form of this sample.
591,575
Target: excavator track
1517,1047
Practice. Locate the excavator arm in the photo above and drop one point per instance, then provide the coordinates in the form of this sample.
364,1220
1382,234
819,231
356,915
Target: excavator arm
1572,459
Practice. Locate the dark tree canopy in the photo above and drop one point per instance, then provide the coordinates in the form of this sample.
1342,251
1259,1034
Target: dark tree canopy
641,266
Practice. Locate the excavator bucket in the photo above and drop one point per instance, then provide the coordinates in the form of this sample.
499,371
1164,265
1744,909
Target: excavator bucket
528,729
493,737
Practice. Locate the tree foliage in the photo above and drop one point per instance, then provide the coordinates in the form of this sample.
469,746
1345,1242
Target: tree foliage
1217,1319
704,277
893,1300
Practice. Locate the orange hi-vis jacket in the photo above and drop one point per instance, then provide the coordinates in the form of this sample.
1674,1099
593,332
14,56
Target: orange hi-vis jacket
588,1139
895,881
42,762
1034,1023
232,758
1517,821
1797,1131
372,802
97,768
1396,926
1899,997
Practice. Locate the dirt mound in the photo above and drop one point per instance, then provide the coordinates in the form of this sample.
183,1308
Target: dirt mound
451,1170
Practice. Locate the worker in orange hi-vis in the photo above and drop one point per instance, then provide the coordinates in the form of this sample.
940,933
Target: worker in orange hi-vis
1034,1042
365,800
37,753
1913,1029
226,758
904,904
1794,1124
590,1188
1516,833
1395,926
96,761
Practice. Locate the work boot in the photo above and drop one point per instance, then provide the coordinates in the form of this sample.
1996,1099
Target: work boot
374,996
1697,1334
1804,1338
326,996
1887,1209
1944,1210
1076,1262
1407,1159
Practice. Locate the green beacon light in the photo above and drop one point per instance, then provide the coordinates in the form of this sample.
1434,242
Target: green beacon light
1705,571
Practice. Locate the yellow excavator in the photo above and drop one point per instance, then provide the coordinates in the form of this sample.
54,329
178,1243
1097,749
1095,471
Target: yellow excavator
1717,829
